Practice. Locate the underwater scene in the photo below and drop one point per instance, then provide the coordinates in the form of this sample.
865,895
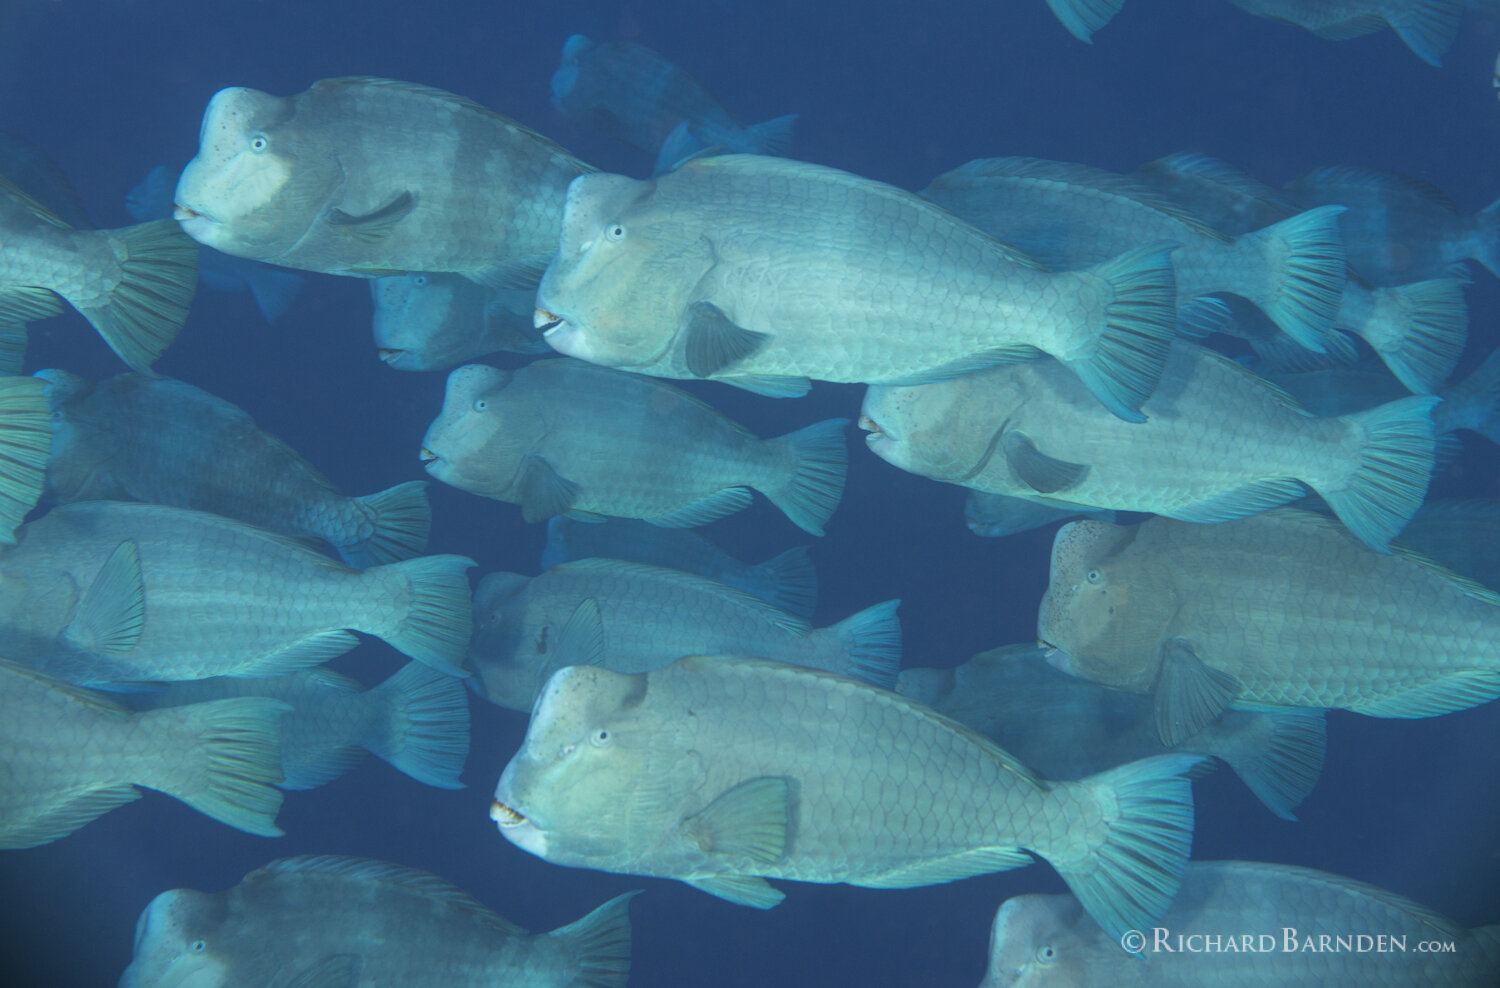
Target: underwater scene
789,494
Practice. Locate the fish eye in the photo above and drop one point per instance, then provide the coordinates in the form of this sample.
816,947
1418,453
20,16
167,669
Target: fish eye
480,404
616,232
198,946
1095,576
420,281
1046,953
259,143
600,738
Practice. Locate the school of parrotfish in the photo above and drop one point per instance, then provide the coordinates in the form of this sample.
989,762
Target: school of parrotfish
1045,334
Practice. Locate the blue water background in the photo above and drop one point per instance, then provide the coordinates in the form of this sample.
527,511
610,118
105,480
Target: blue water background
894,91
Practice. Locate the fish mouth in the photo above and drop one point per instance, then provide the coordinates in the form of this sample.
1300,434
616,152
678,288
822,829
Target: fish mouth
1054,656
546,321
871,426
505,816
390,355
426,455
181,213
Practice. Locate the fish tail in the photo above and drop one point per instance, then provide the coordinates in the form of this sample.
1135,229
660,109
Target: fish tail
438,620
599,943
773,136
872,644
423,729
1277,753
222,758
12,347
1305,260
1083,17
1395,465
1140,322
1428,27
1487,252
401,519
158,275
1419,331
788,581
1126,868
1473,403
25,444
274,290
809,492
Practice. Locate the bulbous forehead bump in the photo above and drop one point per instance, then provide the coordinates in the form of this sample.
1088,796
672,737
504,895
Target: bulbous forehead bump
472,380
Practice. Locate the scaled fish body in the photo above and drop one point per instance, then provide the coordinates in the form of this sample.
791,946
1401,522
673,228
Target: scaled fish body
1064,728
133,285
153,439
723,771
764,272
1045,940
104,591
436,321
1283,608
1427,26
564,437
1071,216
417,720
631,617
634,95
371,177
1218,443
294,922
787,581
71,755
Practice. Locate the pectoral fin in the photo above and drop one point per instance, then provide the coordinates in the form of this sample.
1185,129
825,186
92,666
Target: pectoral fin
749,820
544,492
714,342
337,971
1189,694
1036,469
113,609
523,273
742,890
581,640
373,226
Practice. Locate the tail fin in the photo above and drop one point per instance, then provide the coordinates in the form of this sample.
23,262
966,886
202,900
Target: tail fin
1130,876
1395,465
787,581
772,136
872,643
600,943
158,275
1428,27
1083,17
425,730
12,347
1473,403
1277,753
809,491
25,445
1419,330
1140,322
401,518
227,760
1487,235
438,618
274,290
1305,256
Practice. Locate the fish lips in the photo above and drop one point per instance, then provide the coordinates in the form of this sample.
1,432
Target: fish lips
194,222
558,331
515,826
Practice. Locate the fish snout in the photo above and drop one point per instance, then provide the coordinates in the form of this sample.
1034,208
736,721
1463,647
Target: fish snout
427,456
544,320
504,815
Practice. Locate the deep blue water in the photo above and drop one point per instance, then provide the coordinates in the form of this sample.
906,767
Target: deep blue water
894,91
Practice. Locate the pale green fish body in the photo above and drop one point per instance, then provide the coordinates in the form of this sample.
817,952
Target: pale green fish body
71,755
764,272
998,515
566,437
371,177
1070,216
432,320
1283,608
350,923
1218,443
133,285
1065,728
723,771
153,439
1045,941
631,617
1427,26
417,720
108,591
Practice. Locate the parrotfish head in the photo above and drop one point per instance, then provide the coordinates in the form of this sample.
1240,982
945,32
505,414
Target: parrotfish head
510,664
465,445
617,291
1094,624
175,940
259,180
912,428
423,320
1041,940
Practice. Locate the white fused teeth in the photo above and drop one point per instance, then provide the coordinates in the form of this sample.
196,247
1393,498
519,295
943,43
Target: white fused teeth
427,455
544,320
504,815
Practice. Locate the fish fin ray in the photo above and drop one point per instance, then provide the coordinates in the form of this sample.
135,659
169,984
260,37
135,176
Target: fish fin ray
871,641
1456,691
600,942
25,447
1430,327
1428,27
401,519
545,493
717,505
714,342
518,274
1189,694
425,730
993,357
788,582
377,224
1283,769
310,651
769,385
742,890
61,821
112,613
1395,466
981,861
810,491
1241,501
21,304
1083,17
144,312
1310,272
234,760
435,629
749,820
334,971
1042,473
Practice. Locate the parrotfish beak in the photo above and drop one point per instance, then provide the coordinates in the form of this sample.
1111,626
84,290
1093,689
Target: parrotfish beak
427,455
504,815
545,321
1055,657
390,355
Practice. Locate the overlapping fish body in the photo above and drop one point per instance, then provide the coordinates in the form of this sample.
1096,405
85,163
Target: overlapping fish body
431,320
370,177
106,592
763,272
1283,608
